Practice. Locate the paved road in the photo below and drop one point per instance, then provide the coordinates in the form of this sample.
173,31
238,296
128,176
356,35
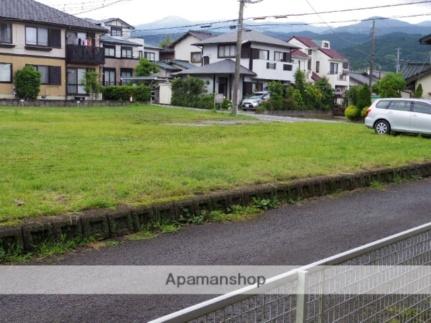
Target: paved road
287,119
292,235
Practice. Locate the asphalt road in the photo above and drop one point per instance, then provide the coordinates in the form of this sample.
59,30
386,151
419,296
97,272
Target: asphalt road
292,235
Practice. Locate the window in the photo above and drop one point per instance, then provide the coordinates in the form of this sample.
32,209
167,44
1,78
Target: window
75,81
226,51
116,31
109,51
325,44
282,57
383,104
151,56
126,52
109,76
333,68
36,36
287,67
317,67
263,54
400,105
49,75
5,73
206,60
310,52
5,33
196,57
346,65
309,65
126,73
141,54
271,66
421,107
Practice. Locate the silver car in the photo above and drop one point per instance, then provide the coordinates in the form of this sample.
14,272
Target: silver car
399,115
253,102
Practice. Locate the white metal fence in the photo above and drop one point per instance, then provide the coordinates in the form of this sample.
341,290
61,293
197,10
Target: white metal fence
293,304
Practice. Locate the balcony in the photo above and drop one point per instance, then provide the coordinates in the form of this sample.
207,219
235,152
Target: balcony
85,55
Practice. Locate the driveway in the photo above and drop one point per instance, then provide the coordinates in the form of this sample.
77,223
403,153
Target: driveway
291,235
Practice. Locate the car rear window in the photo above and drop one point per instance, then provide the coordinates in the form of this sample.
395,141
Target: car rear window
400,105
421,107
383,104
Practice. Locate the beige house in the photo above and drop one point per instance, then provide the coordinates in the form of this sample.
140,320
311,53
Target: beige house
60,46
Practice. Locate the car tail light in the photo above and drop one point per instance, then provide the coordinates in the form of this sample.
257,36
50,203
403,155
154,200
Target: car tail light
368,112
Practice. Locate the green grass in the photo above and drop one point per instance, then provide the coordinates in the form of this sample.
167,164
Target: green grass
54,161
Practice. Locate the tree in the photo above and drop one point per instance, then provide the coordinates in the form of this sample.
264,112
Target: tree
364,97
27,83
278,94
327,92
166,42
391,85
146,68
92,84
300,81
419,91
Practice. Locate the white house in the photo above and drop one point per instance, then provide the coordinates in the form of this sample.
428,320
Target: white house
323,61
185,49
264,59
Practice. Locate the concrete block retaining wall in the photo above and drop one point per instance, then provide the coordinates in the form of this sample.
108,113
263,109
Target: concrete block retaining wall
104,224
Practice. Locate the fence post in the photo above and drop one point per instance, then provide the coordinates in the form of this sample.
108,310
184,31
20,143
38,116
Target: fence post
300,297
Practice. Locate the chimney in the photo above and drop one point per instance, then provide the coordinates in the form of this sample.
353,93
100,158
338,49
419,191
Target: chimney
326,44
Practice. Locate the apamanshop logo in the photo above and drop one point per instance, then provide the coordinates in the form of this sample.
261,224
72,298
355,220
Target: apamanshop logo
238,280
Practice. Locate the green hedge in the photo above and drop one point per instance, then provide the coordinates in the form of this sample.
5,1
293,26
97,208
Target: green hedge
139,93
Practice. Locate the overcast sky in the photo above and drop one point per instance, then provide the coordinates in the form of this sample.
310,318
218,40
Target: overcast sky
145,11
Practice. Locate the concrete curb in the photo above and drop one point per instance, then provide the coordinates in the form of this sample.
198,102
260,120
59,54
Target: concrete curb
107,223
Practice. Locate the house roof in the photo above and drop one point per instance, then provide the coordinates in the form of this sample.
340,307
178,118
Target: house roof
299,54
200,35
426,40
118,41
226,66
306,41
315,77
413,71
362,78
248,36
35,12
332,53
175,65
106,21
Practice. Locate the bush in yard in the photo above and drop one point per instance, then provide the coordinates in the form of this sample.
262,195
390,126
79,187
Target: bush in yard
419,92
190,92
390,86
363,97
92,84
353,113
313,97
27,83
139,93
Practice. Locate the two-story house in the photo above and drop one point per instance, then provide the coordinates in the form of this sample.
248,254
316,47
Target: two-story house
324,61
185,48
60,46
263,59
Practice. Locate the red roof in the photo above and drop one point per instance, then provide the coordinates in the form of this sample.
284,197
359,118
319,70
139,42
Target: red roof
306,41
332,53
299,54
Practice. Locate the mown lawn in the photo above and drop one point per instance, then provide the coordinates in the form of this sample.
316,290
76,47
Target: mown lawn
54,161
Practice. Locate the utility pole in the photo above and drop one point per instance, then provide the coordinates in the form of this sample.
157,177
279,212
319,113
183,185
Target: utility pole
373,55
237,78
398,60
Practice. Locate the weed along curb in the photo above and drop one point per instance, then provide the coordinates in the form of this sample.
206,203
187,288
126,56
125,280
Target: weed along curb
107,223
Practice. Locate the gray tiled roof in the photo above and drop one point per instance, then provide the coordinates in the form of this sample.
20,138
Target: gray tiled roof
248,36
33,11
414,70
200,35
223,67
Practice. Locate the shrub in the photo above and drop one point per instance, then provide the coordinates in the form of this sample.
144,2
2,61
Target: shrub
27,83
352,113
191,92
92,84
327,94
204,102
419,91
227,105
140,93
364,97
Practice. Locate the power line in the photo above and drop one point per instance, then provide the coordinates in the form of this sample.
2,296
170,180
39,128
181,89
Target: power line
289,15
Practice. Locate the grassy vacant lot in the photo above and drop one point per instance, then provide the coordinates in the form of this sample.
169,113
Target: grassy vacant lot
58,160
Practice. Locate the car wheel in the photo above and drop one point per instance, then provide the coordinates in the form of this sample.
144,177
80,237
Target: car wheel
382,127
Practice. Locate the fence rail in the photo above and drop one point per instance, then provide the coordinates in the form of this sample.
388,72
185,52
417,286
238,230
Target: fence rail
292,304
